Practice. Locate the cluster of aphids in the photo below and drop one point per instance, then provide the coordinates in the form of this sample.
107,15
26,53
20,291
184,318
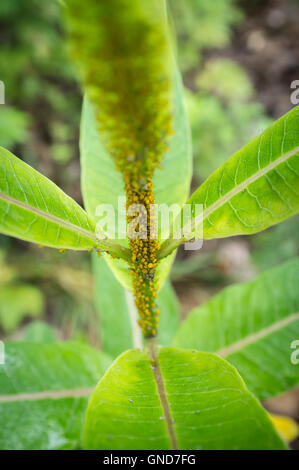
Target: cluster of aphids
144,256
123,52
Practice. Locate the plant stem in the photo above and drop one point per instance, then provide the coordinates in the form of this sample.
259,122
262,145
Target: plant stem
114,249
168,247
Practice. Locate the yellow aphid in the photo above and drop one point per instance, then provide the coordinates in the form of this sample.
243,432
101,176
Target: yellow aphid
62,250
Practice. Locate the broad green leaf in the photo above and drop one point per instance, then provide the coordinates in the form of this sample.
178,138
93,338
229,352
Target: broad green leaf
102,183
35,209
169,314
256,188
205,406
252,326
43,393
17,302
118,317
118,314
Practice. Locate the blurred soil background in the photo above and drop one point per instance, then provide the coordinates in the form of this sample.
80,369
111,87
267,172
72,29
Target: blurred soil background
238,60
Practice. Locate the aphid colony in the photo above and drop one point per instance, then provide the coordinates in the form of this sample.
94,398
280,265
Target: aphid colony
124,58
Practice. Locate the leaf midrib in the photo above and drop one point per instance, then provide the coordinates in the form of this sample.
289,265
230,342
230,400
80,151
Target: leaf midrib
48,394
155,363
254,337
52,218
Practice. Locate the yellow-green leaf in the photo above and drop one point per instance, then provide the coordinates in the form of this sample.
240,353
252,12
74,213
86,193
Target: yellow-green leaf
33,208
192,400
252,326
256,188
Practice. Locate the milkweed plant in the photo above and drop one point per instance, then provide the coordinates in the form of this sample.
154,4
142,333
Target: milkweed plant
156,383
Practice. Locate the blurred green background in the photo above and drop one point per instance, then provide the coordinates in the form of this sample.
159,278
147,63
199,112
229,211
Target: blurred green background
238,60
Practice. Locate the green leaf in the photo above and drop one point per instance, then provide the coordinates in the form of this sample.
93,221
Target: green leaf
17,302
169,314
118,318
44,390
252,325
35,209
102,183
254,189
118,314
204,400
